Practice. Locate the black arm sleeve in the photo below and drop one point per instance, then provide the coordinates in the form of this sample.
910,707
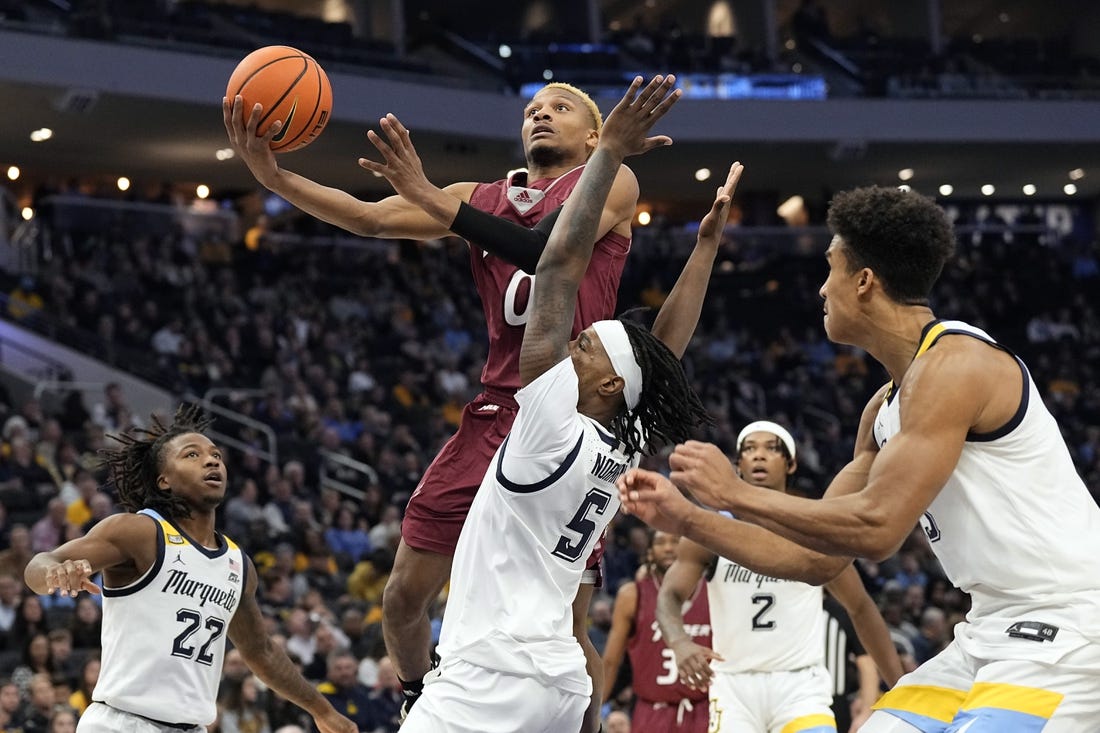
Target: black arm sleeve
509,241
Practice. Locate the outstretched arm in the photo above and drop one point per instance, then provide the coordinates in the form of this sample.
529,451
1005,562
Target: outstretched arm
679,314
273,666
121,541
656,501
941,398
567,254
681,580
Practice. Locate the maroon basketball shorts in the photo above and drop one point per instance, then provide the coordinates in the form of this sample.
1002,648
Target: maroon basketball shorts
438,507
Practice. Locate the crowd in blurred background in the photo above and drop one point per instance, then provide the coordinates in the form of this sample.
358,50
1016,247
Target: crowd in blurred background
371,352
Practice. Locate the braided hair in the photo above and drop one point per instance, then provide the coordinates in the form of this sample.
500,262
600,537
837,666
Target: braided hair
668,408
133,468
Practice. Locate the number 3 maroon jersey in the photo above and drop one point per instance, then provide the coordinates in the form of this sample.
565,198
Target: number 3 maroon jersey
655,677
505,290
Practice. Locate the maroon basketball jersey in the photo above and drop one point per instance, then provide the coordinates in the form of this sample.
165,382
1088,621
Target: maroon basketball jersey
656,678
505,290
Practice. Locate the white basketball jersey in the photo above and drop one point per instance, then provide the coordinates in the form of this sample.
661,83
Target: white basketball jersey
764,624
164,634
546,498
1014,525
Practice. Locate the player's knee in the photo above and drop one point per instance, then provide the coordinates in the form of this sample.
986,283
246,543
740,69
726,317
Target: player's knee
881,722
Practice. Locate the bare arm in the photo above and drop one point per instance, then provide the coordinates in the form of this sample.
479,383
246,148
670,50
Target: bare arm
870,627
941,398
679,315
592,662
392,217
678,585
869,691
569,250
622,622
273,666
126,542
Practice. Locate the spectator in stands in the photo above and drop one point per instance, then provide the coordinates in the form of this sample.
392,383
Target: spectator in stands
30,619
348,541
932,636
86,623
89,675
617,722
25,301
63,720
345,692
243,510
10,597
241,708
10,703
49,531
386,698
34,714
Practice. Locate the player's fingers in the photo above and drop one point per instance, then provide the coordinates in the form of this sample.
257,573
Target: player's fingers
659,99
253,121
403,131
631,93
659,141
734,177
393,136
652,93
271,132
382,146
370,165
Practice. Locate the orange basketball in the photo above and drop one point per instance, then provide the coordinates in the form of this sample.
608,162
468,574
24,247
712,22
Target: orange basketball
291,86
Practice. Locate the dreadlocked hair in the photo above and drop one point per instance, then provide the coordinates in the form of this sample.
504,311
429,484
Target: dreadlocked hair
134,467
668,408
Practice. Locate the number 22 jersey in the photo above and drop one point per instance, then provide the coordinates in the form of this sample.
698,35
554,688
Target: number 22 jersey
547,497
164,634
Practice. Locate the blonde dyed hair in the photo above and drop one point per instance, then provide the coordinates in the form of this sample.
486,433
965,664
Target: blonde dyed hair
592,108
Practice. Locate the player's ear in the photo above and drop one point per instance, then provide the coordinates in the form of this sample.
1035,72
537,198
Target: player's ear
611,385
792,466
591,141
865,280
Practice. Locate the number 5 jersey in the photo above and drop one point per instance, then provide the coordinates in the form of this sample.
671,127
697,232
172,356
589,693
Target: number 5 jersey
547,497
164,634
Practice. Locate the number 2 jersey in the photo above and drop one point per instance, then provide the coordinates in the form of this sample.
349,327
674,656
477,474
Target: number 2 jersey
764,624
164,634
548,495
505,290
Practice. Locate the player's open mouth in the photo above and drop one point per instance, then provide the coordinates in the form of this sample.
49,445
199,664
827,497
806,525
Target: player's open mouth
540,129
213,478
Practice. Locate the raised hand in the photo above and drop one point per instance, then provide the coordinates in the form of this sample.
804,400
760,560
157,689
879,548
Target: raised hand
625,129
710,228
401,165
705,471
253,149
654,500
70,577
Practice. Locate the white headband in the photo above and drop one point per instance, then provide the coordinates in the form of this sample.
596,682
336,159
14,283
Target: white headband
767,426
617,345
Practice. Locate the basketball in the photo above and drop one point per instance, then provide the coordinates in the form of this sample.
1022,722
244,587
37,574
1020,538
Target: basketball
291,86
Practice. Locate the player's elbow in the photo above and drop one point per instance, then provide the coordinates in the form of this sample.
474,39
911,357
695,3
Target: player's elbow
823,570
880,535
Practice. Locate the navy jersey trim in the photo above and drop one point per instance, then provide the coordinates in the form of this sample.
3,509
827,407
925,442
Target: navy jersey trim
145,579
1017,417
1015,420
608,439
893,389
517,488
223,546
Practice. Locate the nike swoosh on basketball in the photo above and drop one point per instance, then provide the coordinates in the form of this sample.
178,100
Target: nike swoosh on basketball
286,124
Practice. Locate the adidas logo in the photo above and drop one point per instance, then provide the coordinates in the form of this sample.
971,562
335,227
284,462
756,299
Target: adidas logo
523,197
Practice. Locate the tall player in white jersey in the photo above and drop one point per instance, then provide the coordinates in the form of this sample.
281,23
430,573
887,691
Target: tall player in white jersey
767,671
960,442
173,590
586,410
